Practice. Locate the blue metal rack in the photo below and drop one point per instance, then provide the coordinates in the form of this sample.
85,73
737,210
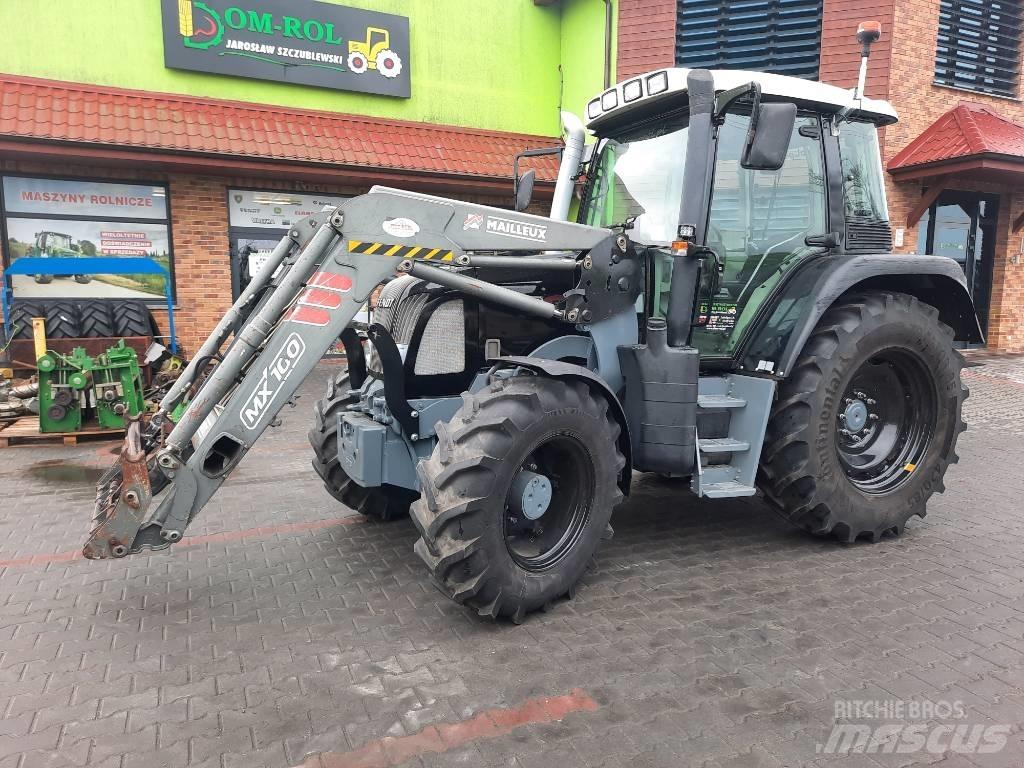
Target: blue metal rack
69,266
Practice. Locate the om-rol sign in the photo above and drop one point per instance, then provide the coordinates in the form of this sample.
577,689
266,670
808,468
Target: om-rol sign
290,41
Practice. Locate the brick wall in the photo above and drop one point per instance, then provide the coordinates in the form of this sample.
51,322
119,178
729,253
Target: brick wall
914,33
840,51
647,36
199,234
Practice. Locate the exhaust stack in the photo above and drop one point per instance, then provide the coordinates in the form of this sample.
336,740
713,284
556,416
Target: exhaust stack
572,129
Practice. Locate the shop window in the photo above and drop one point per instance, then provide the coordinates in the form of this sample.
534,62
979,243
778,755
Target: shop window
979,45
74,219
780,36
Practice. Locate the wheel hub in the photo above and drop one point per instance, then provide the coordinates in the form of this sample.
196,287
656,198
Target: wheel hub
855,416
531,494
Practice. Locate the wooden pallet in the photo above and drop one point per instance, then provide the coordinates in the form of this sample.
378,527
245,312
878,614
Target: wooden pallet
26,431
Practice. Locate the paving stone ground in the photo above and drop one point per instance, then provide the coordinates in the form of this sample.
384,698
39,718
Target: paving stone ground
706,634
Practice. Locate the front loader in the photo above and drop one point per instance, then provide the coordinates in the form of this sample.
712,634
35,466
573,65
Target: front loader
726,309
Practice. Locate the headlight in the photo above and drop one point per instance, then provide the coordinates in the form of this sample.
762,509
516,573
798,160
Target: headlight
632,91
657,83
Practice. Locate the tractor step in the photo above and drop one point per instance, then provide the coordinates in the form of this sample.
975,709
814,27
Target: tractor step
726,490
722,445
719,402
735,409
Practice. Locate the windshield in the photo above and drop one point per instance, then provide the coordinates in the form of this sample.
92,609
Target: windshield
640,174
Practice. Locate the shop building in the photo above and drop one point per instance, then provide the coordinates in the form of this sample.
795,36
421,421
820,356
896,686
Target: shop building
951,68
196,132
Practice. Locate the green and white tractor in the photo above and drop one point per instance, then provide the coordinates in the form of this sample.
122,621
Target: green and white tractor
726,308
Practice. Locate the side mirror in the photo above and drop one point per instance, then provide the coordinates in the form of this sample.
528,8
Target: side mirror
771,128
524,190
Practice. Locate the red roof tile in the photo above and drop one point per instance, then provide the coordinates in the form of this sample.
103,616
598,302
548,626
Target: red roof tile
53,111
966,131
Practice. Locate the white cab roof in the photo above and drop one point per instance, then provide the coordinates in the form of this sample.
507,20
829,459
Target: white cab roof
815,95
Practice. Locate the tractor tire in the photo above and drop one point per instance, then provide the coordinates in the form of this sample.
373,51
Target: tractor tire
22,313
62,320
487,545
133,318
83,279
44,279
385,503
865,426
97,319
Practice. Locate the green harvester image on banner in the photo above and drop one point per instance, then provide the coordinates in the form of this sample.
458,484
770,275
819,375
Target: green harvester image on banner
307,43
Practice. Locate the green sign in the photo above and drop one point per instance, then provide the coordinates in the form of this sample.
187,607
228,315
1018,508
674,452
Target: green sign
291,41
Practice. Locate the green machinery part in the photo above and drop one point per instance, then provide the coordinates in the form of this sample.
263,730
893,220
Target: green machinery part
108,387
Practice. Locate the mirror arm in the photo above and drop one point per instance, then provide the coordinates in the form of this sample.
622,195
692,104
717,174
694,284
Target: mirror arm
725,99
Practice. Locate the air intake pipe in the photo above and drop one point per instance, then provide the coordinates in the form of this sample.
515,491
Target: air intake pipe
574,134
693,211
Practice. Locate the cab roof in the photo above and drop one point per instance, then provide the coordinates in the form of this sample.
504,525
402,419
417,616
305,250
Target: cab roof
640,94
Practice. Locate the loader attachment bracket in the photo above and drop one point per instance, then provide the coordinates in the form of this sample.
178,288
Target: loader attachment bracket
394,380
121,496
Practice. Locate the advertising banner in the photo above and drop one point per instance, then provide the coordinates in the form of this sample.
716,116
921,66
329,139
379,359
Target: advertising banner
63,238
290,41
84,198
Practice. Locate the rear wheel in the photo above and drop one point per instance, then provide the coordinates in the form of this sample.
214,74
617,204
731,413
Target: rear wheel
866,424
517,494
384,503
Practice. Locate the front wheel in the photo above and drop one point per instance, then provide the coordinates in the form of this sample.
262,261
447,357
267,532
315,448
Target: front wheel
385,503
866,424
518,493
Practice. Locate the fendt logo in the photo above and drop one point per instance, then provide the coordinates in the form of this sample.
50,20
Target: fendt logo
272,380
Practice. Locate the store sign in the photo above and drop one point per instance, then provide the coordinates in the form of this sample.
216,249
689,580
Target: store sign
84,198
290,41
274,210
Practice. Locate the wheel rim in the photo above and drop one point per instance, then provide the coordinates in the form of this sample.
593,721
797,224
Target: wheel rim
886,421
539,544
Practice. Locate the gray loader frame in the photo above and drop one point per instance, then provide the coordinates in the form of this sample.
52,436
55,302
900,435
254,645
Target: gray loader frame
284,323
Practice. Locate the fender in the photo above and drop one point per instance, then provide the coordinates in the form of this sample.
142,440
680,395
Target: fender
779,336
557,369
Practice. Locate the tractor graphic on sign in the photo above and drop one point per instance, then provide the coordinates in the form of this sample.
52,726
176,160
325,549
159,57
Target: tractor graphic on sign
374,53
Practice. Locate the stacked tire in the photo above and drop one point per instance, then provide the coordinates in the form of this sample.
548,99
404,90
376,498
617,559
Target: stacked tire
67,319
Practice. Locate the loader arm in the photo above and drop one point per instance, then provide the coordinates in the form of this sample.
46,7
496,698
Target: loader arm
282,327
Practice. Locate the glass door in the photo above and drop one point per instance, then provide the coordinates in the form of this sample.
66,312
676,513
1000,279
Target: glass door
962,226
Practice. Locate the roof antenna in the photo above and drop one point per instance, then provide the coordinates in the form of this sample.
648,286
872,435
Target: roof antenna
868,33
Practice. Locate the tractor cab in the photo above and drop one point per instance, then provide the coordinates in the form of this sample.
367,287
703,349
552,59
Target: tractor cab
55,244
759,216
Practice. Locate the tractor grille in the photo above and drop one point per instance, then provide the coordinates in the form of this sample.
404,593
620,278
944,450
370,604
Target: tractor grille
443,346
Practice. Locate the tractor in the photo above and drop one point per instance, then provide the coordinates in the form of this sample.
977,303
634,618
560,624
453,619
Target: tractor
374,53
56,245
726,309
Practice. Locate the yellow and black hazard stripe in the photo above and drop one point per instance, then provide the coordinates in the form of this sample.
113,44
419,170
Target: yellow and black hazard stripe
401,251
